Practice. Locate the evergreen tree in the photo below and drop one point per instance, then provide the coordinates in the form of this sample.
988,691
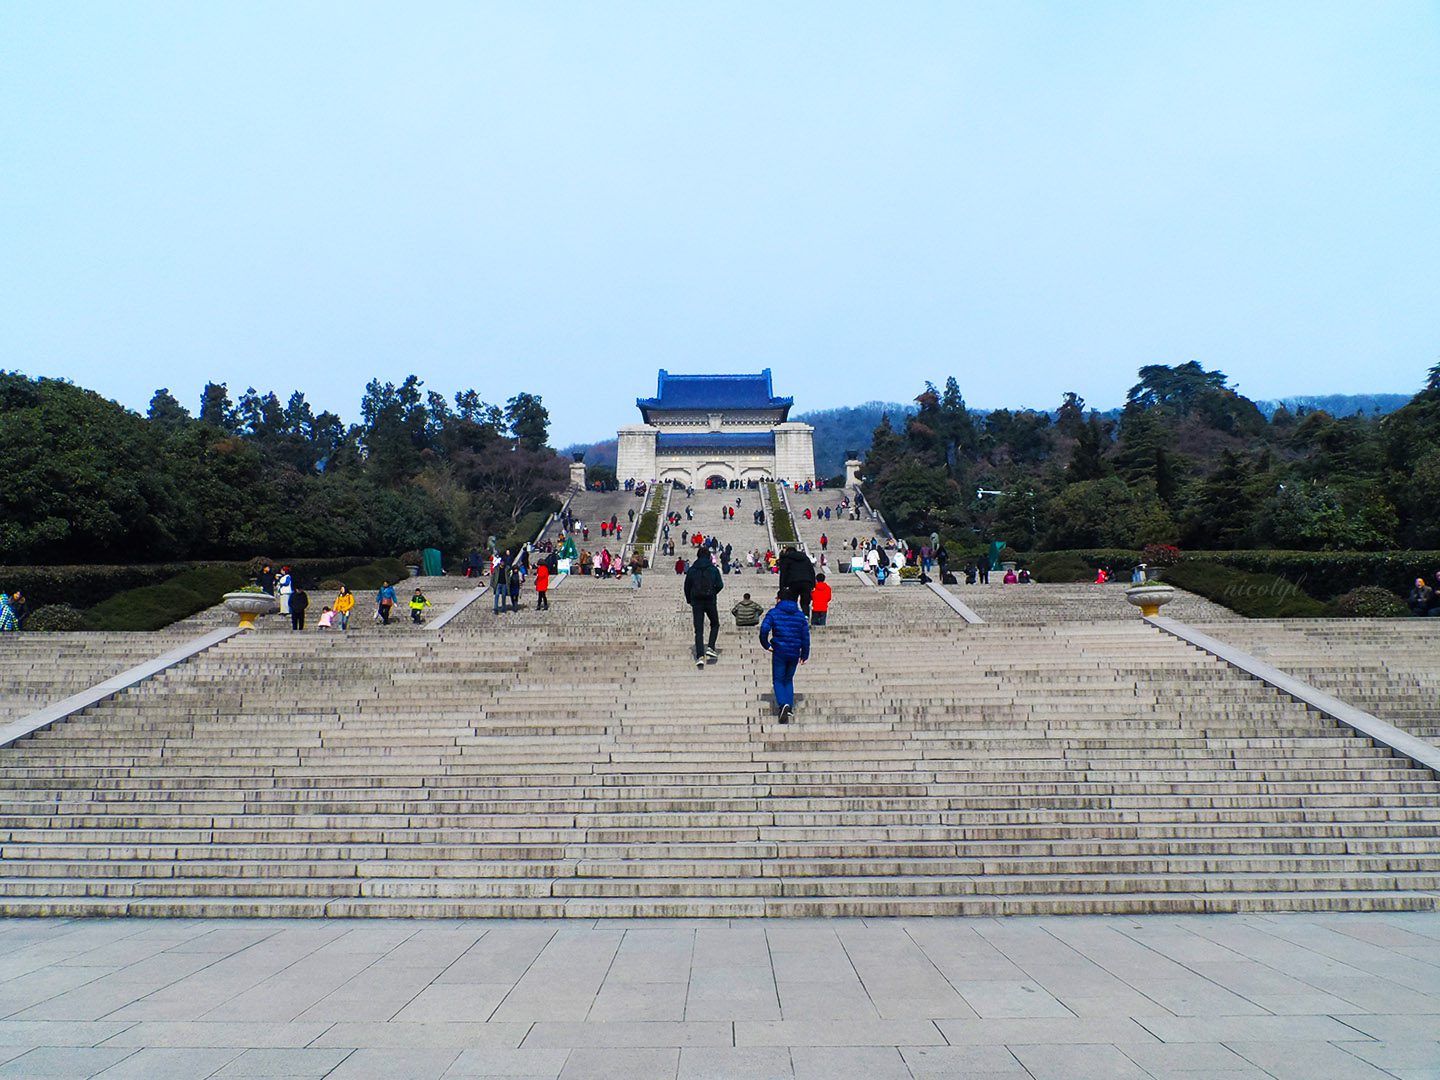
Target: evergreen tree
166,412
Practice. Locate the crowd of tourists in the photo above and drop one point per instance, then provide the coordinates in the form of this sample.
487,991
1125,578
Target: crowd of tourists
294,601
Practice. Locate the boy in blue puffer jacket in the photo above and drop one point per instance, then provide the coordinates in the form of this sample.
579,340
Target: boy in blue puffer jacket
785,635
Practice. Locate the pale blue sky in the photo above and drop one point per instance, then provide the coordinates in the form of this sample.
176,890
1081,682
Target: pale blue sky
561,198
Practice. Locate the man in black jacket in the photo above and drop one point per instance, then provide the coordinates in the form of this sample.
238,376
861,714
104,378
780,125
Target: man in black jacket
702,586
299,601
797,576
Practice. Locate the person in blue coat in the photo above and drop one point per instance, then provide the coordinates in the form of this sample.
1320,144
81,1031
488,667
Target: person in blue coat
785,635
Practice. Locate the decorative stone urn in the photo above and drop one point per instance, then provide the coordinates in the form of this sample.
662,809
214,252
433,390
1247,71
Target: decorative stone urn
1148,598
250,604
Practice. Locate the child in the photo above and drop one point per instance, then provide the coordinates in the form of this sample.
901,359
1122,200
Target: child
819,601
327,619
418,603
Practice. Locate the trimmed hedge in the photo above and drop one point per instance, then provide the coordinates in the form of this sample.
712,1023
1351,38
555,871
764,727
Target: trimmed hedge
370,576
1256,596
1323,574
86,586
1059,567
156,606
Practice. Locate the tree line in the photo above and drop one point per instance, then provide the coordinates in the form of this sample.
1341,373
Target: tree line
87,480
1188,461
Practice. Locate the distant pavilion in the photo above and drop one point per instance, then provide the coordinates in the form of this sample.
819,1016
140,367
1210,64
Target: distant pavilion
715,429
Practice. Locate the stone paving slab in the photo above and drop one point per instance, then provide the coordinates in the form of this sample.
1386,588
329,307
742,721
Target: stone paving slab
1225,997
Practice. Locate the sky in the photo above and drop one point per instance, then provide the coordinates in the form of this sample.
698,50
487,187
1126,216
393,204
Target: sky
561,198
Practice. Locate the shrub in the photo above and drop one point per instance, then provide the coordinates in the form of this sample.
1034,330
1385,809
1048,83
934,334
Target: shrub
55,617
909,572
330,585
1160,555
371,575
1370,602
411,558
1256,596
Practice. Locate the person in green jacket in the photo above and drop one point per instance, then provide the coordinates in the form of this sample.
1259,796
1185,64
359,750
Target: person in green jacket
747,612
418,603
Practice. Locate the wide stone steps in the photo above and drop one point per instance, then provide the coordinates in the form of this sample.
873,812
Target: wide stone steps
573,763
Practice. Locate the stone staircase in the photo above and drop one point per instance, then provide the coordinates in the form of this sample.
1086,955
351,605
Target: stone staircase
575,763
1388,667
1044,605
38,669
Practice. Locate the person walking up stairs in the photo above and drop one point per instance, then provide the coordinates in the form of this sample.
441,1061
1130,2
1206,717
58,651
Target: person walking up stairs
702,589
785,635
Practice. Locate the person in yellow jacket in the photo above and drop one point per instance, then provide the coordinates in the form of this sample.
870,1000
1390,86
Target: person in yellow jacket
418,603
344,604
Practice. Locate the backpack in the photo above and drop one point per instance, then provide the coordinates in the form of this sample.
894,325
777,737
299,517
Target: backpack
702,585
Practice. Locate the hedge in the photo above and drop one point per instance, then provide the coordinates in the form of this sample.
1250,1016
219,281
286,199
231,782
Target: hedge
1256,596
154,607
86,586
1323,574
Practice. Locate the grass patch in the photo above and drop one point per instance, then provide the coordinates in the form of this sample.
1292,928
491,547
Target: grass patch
649,526
780,519
1256,596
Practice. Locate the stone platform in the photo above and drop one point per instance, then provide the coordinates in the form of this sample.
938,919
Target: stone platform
1286,997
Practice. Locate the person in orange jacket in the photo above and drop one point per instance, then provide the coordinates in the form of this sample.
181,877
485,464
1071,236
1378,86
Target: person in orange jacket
542,587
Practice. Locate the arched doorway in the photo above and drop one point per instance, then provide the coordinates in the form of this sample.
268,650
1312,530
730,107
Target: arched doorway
717,482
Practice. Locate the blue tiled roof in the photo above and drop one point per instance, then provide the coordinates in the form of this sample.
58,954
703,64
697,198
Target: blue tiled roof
716,440
713,392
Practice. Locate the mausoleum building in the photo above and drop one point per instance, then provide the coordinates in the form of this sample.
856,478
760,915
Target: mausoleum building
699,428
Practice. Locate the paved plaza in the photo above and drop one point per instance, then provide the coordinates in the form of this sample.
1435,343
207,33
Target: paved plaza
1239,997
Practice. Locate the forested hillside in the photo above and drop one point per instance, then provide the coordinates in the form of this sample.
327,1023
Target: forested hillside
86,480
1188,461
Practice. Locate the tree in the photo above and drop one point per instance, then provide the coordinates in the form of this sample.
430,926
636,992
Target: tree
215,407
394,421
1176,389
1070,417
1087,461
528,420
166,412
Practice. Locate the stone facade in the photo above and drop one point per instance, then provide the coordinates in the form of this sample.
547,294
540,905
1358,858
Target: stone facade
731,427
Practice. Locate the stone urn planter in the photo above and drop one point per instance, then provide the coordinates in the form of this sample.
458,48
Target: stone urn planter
1148,598
249,605
413,571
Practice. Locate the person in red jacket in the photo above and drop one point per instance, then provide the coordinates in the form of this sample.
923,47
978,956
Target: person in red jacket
819,601
542,587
